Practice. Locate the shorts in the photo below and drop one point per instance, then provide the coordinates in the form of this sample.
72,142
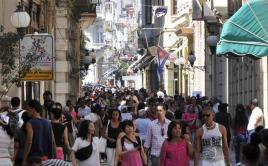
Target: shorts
240,138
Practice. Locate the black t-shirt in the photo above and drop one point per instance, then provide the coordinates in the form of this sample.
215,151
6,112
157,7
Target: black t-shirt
21,137
58,131
224,119
113,133
68,122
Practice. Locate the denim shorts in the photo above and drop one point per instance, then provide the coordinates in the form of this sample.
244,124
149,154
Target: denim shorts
240,138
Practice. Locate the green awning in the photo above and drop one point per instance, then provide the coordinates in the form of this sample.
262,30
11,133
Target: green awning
246,32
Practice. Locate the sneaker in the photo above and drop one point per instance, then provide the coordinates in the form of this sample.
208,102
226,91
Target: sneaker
237,164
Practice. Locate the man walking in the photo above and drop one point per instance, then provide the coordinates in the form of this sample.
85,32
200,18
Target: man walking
255,119
211,148
156,135
39,143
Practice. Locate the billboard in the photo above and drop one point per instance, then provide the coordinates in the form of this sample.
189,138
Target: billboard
38,50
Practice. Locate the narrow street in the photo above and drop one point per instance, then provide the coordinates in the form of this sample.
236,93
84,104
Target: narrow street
136,81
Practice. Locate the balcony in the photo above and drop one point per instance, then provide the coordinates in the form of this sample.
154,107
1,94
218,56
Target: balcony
87,10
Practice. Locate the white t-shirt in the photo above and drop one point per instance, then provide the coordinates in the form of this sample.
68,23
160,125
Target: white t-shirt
93,160
255,114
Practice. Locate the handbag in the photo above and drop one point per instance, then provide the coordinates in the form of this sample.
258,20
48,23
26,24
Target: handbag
84,153
102,145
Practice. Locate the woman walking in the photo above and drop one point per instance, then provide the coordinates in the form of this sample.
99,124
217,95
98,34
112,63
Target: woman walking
86,138
112,130
177,148
129,147
60,131
20,140
6,144
240,129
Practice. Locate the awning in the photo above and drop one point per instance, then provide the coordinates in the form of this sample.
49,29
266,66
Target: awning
246,32
142,63
130,68
110,72
146,63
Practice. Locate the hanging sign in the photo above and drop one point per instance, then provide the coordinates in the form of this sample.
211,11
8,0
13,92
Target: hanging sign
37,50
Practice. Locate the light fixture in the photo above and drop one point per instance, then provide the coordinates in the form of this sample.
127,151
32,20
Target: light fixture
142,51
180,61
192,59
20,19
86,59
167,63
177,62
212,41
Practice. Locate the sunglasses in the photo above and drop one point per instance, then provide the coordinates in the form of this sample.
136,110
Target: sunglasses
162,132
205,115
56,106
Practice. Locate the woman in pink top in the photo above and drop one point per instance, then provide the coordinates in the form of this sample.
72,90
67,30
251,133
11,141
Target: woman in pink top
177,148
129,147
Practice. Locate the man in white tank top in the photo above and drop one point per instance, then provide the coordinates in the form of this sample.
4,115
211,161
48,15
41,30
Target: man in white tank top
211,148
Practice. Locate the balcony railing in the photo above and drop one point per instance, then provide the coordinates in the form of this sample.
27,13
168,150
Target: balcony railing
86,6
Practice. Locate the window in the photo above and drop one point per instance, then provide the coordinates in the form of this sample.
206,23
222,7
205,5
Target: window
174,7
148,12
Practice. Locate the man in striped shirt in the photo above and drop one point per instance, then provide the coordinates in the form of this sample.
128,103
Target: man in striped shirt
156,134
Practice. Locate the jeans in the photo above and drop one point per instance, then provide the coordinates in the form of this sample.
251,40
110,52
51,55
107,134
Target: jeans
249,133
154,161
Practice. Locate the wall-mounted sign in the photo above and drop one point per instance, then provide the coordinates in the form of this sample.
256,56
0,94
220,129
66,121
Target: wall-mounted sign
37,49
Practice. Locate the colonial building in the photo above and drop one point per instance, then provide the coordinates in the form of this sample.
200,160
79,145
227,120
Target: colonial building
63,21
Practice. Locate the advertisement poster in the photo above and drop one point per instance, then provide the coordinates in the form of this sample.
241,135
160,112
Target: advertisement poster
37,49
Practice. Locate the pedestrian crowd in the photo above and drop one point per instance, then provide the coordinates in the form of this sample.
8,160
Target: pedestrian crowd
131,128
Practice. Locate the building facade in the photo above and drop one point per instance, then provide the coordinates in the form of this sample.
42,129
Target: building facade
61,20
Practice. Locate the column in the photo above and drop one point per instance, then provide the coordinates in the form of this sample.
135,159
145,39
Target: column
62,65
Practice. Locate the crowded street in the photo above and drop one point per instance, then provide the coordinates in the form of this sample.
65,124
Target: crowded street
133,83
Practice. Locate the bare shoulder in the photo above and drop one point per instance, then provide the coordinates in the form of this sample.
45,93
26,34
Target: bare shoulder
199,132
222,128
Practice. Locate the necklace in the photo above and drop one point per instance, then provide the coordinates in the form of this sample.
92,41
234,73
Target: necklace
210,127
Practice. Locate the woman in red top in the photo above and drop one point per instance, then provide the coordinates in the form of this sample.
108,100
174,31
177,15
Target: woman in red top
177,148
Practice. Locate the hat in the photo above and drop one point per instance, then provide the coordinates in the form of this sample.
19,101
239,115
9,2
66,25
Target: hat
254,101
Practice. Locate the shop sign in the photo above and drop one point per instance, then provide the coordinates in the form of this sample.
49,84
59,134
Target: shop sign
39,48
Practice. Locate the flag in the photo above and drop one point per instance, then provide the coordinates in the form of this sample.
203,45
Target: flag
158,11
162,57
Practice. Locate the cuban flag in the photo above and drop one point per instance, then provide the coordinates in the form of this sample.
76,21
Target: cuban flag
162,57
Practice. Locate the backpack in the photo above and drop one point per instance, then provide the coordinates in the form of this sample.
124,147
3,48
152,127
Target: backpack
13,121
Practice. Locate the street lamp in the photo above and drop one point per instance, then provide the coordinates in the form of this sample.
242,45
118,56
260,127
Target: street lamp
192,59
167,63
180,62
212,41
20,19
